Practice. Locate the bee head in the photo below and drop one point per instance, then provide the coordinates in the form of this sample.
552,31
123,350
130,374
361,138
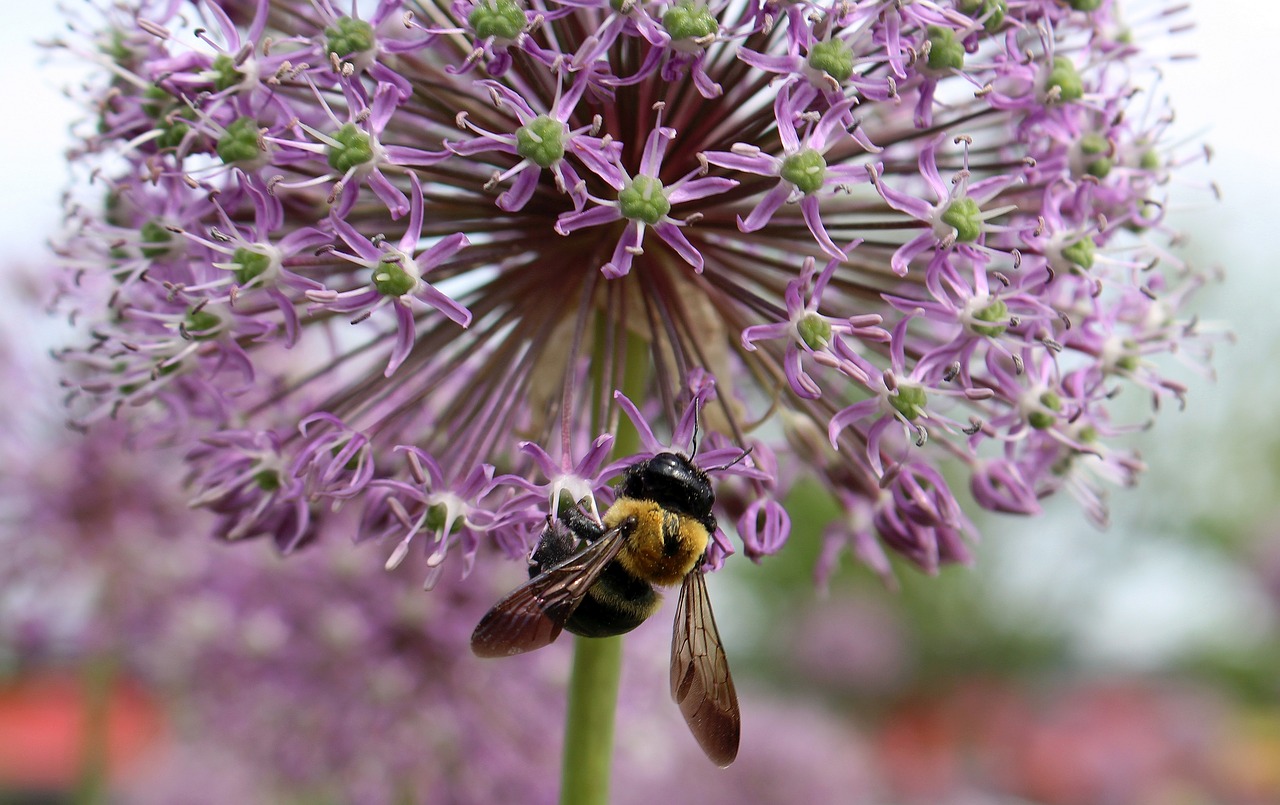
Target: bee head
674,482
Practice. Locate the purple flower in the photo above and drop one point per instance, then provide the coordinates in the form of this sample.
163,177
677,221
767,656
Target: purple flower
930,232
396,278
542,142
801,169
644,201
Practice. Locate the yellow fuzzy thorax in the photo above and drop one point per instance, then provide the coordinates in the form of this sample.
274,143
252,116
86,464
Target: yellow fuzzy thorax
644,555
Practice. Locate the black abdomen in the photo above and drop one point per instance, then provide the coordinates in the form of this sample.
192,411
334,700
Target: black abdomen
617,603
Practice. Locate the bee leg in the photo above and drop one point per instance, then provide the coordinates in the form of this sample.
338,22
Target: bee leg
580,524
556,544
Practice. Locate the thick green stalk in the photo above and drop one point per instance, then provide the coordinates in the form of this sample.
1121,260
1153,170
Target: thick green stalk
588,739
98,677
597,662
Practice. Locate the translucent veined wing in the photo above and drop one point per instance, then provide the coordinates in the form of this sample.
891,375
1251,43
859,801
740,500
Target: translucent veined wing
534,614
700,681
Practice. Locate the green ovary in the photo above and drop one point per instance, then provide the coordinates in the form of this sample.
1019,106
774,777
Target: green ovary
997,311
807,170
1066,79
353,148
249,265
201,324
977,8
349,36
541,141
225,73
643,200
909,401
392,280
240,143
815,331
965,217
501,19
157,241
1081,253
689,20
833,57
945,51
1045,417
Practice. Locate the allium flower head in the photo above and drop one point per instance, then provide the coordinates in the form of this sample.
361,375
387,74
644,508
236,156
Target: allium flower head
431,260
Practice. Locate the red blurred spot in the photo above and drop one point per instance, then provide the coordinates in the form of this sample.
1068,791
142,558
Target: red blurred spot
44,729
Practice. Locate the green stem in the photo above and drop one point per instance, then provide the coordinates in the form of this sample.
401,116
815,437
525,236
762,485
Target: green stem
98,677
588,739
597,661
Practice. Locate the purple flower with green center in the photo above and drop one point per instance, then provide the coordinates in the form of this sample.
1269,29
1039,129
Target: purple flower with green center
396,278
929,233
447,511
809,332
644,201
955,218
802,169
542,141
355,152
688,29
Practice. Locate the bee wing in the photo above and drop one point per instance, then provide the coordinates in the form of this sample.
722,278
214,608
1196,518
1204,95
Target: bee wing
700,680
533,615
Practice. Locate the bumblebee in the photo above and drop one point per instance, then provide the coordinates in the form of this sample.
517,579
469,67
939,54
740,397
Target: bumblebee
597,580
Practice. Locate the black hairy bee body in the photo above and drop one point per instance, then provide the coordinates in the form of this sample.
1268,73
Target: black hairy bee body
597,579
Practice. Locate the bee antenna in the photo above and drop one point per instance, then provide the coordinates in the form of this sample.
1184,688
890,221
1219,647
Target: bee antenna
737,460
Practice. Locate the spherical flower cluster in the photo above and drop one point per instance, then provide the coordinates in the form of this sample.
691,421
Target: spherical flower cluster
428,260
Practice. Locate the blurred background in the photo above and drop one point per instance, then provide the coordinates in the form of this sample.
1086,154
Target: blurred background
1072,666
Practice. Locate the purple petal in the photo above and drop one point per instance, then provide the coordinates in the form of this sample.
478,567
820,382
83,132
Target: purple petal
650,442
700,188
786,65
355,241
801,383
443,249
404,338
600,214
456,312
521,189
761,164
674,238
764,332
813,217
655,147
848,416
768,205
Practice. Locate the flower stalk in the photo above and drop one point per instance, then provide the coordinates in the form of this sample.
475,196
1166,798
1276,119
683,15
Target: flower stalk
589,722
597,661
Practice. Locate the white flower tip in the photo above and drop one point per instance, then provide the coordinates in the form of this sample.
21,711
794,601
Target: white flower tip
397,556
